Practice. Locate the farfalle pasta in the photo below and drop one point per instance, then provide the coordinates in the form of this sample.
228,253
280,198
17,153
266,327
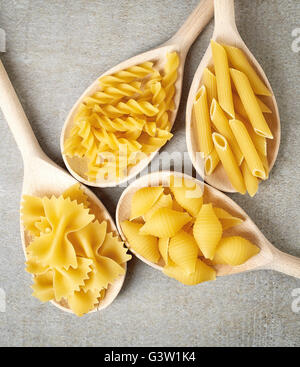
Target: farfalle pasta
72,256
175,227
125,121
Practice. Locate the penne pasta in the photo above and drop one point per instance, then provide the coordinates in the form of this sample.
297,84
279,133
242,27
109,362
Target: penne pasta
210,82
223,78
259,142
239,61
250,104
251,181
229,163
248,149
221,124
203,122
211,162
239,107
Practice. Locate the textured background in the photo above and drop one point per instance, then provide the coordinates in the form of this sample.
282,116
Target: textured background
55,50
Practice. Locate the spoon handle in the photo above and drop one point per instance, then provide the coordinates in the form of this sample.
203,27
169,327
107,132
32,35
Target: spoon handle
224,17
16,118
285,263
195,23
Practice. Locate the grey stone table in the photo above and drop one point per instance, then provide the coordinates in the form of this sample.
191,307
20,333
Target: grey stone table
55,49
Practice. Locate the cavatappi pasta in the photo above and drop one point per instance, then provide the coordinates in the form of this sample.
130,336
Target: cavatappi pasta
126,120
235,131
72,256
180,231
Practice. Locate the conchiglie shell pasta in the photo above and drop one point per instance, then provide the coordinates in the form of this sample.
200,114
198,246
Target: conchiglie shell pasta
143,200
202,273
183,251
235,250
145,245
207,231
227,220
165,223
165,201
163,246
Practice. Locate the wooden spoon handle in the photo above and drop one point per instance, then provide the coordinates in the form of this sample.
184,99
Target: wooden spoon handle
16,118
224,16
195,23
285,263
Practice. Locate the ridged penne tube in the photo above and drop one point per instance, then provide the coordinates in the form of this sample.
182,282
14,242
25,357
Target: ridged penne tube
248,149
183,251
259,142
250,104
143,200
165,223
239,61
144,245
210,82
203,125
227,220
202,273
265,162
239,107
251,181
207,231
164,201
223,78
221,124
163,246
236,250
211,162
229,163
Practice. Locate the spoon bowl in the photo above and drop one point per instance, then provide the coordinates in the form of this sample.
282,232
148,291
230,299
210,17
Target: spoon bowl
226,32
268,258
43,177
180,43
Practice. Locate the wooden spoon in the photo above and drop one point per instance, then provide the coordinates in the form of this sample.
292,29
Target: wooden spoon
180,43
226,32
42,177
268,258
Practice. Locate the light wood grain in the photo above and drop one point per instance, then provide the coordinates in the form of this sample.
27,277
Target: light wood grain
180,43
268,258
226,32
42,177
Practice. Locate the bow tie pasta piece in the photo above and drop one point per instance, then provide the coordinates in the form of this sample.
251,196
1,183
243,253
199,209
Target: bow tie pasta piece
114,249
235,251
145,245
207,231
32,211
43,287
202,273
83,301
165,223
183,251
143,200
76,193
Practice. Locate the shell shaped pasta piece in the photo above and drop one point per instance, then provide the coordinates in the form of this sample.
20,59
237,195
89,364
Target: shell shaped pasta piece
164,201
113,248
183,251
207,231
143,200
236,250
165,222
191,199
144,245
202,273
64,216
76,193
43,286
227,220
163,246
83,302
32,211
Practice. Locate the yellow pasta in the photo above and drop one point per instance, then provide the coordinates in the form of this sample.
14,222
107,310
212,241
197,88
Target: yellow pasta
223,78
163,246
226,219
83,301
250,104
143,200
210,82
251,181
203,122
145,245
236,250
183,251
229,163
259,142
211,162
240,109
221,124
165,223
240,62
248,149
165,201
207,231
202,273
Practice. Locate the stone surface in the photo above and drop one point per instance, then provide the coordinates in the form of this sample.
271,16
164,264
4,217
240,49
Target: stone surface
55,50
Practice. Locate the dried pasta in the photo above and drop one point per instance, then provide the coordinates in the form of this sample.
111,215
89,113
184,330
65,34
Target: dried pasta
72,257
